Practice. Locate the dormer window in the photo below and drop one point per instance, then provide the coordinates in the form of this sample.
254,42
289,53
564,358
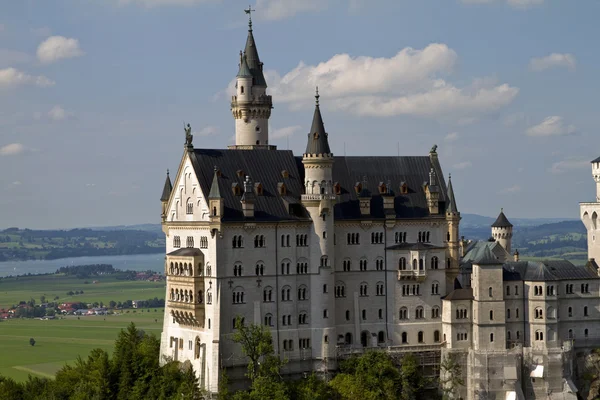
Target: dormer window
282,188
382,188
240,173
403,188
337,188
218,172
316,135
258,188
358,187
285,174
237,190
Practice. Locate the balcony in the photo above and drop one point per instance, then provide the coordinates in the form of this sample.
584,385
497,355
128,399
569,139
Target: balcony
318,197
412,274
186,313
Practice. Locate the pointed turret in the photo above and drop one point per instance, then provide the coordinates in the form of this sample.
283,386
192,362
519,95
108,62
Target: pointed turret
166,193
251,54
251,106
215,192
451,208
318,142
244,71
502,231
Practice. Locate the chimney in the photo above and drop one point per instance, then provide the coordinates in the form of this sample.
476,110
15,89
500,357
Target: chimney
432,193
248,199
364,198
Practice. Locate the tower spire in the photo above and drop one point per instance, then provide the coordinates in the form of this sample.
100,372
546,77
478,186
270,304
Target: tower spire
318,142
451,200
249,11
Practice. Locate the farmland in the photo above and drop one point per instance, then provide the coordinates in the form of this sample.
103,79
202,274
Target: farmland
23,288
61,341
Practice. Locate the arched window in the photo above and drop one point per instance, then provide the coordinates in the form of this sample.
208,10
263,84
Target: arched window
268,294
208,297
403,313
237,269
571,336
435,288
435,312
539,335
539,314
402,264
421,267
585,311
269,319
420,337
340,289
435,262
414,262
490,291
363,289
381,337
379,289
585,332
436,336
348,338
347,315
570,310
238,295
286,293
491,337
404,337
303,318
419,312
302,292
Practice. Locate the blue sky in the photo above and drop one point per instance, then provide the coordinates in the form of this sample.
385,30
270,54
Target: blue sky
93,94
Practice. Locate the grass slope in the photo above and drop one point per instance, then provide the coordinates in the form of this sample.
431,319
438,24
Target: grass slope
63,340
16,289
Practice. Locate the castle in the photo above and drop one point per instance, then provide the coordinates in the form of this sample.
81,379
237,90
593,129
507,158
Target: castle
340,254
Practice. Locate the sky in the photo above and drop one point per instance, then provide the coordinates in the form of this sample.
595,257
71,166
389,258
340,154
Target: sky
94,94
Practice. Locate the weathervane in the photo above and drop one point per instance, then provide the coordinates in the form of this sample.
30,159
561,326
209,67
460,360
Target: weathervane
249,12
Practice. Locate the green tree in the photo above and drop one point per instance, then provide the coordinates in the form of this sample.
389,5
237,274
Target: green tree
451,376
42,299
313,388
413,382
32,341
371,376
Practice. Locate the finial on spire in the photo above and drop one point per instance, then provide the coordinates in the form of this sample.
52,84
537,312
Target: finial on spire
249,12
501,209
449,175
167,172
317,96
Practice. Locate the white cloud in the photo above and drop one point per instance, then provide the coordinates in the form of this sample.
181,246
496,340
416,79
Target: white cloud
566,165
58,47
207,131
452,137
553,60
521,4
57,113
159,3
411,82
14,77
462,165
280,9
11,57
12,149
551,126
284,132
512,189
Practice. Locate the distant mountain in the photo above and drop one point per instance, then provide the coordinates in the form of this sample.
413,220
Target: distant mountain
154,228
479,221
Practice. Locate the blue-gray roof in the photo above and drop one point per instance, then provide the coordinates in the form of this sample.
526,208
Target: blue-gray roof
256,67
244,71
167,188
451,203
318,142
550,270
596,160
186,252
502,221
414,246
266,167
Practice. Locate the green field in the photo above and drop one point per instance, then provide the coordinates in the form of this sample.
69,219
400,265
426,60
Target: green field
13,290
60,341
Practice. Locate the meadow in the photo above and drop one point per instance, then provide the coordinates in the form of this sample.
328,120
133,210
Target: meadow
23,288
61,341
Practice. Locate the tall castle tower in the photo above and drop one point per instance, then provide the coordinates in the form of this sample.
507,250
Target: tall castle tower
251,106
319,200
502,231
589,216
453,219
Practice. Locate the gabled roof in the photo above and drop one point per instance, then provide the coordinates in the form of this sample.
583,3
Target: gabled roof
413,246
550,270
502,221
166,193
318,142
451,203
460,294
186,252
596,160
251,55
484,256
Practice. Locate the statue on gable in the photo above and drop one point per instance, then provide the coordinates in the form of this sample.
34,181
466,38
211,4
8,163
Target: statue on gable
188,134
433,149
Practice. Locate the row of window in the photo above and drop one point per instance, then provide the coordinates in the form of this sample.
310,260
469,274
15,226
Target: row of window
185,269
418,264
376,237
237,242
551,290
340,289
186,296
189,242
421,337
419,313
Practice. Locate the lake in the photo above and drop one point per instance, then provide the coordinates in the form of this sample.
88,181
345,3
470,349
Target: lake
137,262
